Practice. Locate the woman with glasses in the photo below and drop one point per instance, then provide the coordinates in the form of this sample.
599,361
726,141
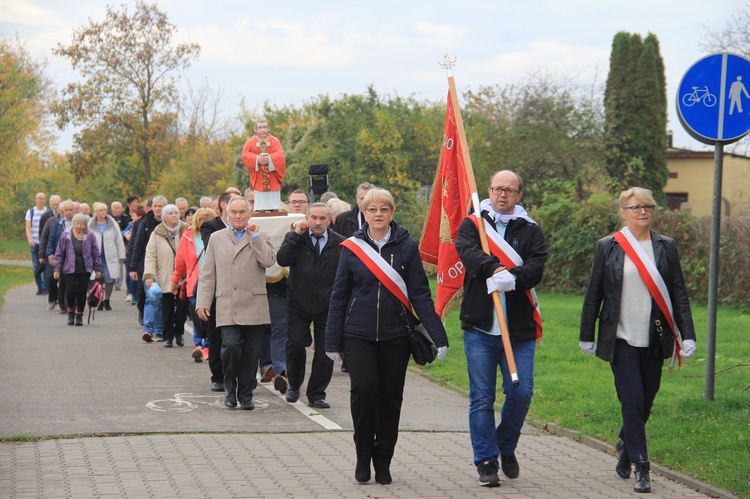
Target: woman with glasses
638,294
368,324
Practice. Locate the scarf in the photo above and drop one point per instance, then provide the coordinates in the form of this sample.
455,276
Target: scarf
174,232
518,212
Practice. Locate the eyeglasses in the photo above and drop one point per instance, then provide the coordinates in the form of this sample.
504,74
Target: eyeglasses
638,208
504,190
299,202
383,209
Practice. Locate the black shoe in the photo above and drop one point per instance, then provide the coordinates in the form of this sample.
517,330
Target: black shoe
320,404
79,319
140,320
39,292
642,478
488,473
292,396
509,464
230,401
180,342
217,387
45,291
100,306
383,476
623,466
168,344
344,367
106,305
248,406
71,318
362,471
280,383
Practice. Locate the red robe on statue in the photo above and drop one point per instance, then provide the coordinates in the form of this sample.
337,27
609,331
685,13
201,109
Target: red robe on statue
261,178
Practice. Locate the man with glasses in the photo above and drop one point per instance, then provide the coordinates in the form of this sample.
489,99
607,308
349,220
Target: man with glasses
298,201
519,241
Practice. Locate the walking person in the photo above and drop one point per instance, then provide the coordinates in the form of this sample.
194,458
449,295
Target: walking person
76,257
65,222
111,248
33,230
369,325
188,262
158,268
513,268
633,271
311,251
234,273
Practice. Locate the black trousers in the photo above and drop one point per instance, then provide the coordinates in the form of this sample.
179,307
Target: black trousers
76,286
173,315
637,381
240,351
49,269
377,370
297,341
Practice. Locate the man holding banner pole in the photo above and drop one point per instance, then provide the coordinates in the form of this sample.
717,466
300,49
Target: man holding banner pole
514,266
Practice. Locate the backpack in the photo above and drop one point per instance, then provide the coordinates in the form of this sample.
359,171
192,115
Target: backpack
95,298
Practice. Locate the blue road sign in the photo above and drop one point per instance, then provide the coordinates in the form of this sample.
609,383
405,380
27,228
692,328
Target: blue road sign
713,99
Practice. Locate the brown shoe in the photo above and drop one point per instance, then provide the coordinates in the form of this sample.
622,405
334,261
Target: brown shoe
266,374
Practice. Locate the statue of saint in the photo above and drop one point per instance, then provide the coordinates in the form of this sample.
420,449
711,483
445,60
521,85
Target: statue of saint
264,159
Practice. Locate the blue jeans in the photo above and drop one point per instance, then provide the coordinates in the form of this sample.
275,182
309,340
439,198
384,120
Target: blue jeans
483,354
197,341
39,278
274,341
152,321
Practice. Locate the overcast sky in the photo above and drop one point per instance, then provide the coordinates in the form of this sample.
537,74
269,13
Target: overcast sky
290,51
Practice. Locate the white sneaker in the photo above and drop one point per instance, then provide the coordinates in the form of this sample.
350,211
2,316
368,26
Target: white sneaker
129,297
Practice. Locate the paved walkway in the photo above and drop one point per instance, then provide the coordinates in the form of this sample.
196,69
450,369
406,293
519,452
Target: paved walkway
140,421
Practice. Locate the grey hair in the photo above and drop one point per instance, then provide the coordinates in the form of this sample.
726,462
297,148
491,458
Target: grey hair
160,198
234,198
319,205
81,217
205,198
169,209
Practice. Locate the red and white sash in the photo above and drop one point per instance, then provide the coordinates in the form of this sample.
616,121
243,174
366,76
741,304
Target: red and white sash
386,274
510,259
654,282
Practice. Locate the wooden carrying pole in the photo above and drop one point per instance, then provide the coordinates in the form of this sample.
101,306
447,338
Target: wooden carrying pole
482,234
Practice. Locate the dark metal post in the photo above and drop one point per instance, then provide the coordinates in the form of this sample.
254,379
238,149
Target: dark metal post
713,276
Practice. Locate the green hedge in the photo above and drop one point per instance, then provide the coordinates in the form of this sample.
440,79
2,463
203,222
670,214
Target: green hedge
572,229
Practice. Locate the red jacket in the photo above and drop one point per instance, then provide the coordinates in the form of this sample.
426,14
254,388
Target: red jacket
186,262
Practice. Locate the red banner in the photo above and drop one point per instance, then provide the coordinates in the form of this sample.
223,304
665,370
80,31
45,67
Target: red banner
449,205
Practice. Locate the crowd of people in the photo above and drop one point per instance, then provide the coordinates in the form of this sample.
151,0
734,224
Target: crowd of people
353,287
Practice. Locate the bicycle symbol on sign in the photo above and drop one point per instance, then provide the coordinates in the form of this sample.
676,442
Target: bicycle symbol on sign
699,94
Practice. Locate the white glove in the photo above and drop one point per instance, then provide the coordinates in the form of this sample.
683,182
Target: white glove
688,348
334,356
501,281
588,346
442,351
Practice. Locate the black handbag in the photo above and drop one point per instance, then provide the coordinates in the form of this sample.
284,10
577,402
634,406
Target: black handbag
423,349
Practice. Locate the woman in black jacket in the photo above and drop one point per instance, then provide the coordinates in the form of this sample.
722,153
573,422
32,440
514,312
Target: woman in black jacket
634,329
368,324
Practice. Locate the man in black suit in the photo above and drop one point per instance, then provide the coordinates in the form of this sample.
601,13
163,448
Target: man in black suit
351,221
312,255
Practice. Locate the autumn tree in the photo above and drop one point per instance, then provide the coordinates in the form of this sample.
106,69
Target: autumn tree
130,67
636,115
25,137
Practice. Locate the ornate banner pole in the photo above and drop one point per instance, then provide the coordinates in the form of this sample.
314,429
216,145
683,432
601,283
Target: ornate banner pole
447,62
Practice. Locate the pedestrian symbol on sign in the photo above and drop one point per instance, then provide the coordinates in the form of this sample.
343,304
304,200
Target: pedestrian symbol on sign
735,95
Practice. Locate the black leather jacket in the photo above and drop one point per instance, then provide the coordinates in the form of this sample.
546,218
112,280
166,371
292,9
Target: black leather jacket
602,299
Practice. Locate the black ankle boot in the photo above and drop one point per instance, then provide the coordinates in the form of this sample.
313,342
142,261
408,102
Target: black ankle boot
71,317
642,478
79,319
623,466
362,471
106,305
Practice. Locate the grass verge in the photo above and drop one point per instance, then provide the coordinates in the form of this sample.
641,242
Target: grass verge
706,440
12,276
14,249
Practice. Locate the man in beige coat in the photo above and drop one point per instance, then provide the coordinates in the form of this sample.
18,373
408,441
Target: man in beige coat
234,272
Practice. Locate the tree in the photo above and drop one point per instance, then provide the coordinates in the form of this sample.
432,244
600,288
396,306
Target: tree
129,63
25,137
636,115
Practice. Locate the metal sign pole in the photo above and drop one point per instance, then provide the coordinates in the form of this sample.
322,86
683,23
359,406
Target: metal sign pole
713,275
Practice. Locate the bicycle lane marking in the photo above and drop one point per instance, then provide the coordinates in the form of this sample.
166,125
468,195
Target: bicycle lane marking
306,411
